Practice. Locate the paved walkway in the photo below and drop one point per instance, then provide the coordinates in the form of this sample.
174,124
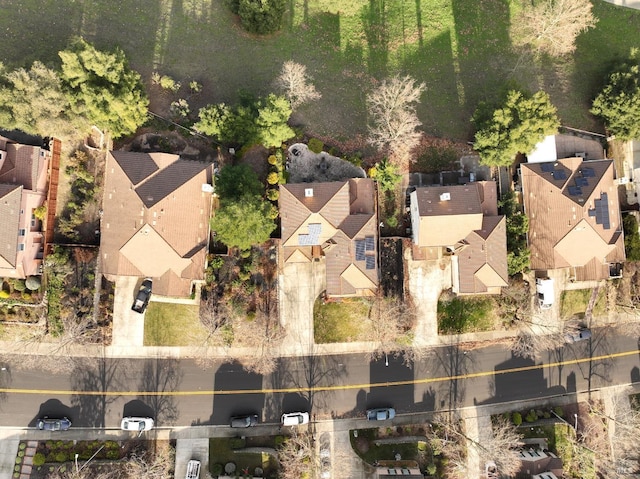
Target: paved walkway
8,452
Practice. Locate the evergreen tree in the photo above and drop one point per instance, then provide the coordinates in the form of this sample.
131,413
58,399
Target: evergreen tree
516,127
618,104
101,86
243,222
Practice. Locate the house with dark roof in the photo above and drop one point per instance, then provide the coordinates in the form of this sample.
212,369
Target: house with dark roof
574,217
24,173
539,464
334,222
463,222
155,221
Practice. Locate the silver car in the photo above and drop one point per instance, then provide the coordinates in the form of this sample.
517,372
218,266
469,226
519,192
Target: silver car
381,414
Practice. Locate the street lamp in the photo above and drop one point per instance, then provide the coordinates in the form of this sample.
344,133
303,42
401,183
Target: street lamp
386,360
575,415
77,471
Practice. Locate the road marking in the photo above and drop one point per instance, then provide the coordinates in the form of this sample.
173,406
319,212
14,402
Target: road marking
319,388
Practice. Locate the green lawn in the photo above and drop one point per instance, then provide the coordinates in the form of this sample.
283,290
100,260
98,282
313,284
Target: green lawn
460,49
575,302
221,453
465,315
169,324
339,322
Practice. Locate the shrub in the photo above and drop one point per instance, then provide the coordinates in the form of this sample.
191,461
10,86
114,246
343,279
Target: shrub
273,160
315,145
40,212
195,87
273,194
217,469
237,443
169,83
279,440
431,469
230,467
4,294
531,416
516,418
19,285
547,415
38,459
558,410
20,453
17,468
22,446
33,283
26,295
261,17
272,178
113,454
61,456
18,460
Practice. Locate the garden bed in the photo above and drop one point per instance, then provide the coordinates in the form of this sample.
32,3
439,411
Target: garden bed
223,451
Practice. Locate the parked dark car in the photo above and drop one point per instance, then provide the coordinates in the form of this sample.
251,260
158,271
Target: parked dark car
244,421
578,335
52,424
381,414
142,299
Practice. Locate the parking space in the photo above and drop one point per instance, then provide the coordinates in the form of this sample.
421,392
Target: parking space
128,326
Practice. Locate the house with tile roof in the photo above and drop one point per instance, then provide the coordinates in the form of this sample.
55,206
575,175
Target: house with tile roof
335,222
24,174
463,221
155,221
574,217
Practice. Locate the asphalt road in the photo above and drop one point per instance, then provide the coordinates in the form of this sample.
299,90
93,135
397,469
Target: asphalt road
98,392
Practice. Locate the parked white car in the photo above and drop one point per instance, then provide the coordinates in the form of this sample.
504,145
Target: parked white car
295,418
136,424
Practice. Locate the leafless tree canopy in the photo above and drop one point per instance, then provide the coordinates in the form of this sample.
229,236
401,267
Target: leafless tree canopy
297,457
552,26
152,465
295,84
529,345
393,117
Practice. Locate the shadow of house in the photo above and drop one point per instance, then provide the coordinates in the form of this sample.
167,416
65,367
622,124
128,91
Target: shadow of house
233,377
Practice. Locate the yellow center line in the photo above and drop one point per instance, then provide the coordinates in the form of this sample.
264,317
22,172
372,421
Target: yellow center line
321,388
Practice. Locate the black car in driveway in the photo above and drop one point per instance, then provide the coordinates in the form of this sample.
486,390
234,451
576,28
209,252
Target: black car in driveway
50,424
142,299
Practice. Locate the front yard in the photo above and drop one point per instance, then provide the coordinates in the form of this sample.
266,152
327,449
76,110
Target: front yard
223,451
339,322
171,324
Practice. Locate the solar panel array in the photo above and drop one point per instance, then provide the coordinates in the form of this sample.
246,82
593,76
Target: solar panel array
369,243
581,181
588,172
559,175
602,211
360,250
575,191
313,237
370,262
547,167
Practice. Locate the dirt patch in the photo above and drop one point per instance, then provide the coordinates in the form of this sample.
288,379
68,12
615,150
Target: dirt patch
392,267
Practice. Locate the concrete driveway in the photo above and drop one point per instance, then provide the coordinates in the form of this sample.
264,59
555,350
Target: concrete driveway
128,326
300,285
427,279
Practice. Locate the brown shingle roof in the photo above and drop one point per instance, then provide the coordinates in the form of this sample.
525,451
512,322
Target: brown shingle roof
341,214
137,166
22,165
574,216
483,262
164,237
10,198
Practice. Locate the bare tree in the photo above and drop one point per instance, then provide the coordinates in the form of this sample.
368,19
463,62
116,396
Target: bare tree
552,26
254,343
502,447
156,464
295,84
393,116
85,473
530,345
297,457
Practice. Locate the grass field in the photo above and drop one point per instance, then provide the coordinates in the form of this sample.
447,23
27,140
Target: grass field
169,324
339,322
461,49
575,302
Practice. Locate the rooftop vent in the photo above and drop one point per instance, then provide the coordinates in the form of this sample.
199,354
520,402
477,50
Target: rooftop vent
308,192
445,197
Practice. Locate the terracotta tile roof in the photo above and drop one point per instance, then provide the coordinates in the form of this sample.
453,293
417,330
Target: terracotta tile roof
23,165
158,225
10,199
340,218
574,216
